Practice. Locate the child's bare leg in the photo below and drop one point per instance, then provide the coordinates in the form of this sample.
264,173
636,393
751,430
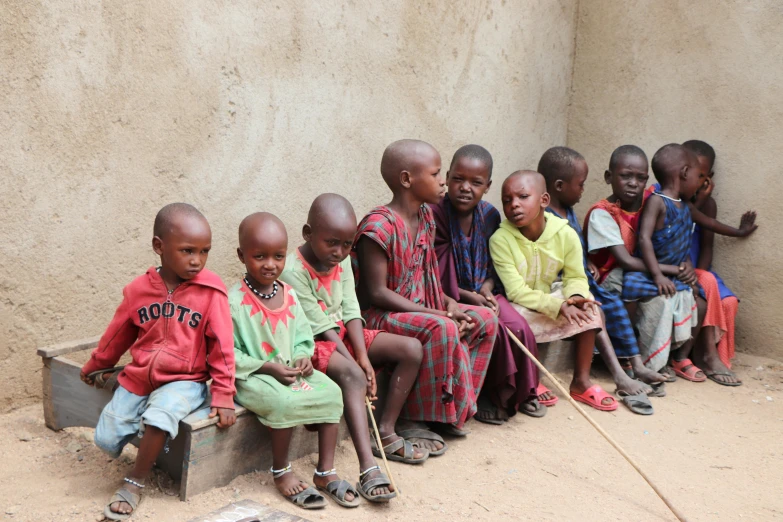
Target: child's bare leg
151,444
405,354
585,342
620,378
327,442
706,355
287,484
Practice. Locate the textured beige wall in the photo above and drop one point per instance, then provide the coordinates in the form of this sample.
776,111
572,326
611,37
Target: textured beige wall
111,109
650,72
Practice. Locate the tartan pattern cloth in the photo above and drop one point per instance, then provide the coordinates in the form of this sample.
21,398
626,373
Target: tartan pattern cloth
618,324
452,365
672,246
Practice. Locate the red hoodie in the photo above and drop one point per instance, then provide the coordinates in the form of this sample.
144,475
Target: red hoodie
183,336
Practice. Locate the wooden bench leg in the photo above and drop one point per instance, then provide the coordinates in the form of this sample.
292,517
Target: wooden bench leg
67,401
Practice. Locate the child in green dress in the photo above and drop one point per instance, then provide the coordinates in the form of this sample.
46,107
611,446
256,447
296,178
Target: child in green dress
273,344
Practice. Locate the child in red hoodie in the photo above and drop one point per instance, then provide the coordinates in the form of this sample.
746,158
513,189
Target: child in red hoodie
176,323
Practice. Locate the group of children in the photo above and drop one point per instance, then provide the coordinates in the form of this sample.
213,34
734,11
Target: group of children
419,307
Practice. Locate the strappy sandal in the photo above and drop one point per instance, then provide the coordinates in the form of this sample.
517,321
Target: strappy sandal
638,403
123,494
307,499
658,389
365,486
539,411
102,383
407,457
418,433
687,370
711,376
668,372
488,413
337,489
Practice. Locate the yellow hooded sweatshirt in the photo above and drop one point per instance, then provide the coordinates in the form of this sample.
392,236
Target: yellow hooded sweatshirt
527,268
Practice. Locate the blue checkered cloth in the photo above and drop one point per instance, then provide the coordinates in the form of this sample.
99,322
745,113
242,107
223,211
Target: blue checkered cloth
672,246
618,324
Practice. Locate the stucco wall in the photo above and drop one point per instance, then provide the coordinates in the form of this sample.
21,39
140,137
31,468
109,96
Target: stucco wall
650,72
111,109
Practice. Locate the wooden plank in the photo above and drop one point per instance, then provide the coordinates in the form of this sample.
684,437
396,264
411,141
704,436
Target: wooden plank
68,401
200,419
557,356
68,347
247,509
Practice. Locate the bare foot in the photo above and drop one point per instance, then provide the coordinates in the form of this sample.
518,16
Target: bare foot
123,507
645,374
288,484
322,481
632,386
546,396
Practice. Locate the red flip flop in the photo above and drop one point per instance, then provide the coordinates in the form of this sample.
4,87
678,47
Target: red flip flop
593,396
543,389
687,370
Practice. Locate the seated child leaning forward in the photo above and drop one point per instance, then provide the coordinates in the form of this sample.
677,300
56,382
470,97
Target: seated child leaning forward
464,224
565,171
273,344
175,321
664,239
529,250
320,273
400,292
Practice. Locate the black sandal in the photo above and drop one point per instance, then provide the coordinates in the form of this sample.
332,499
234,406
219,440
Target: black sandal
365,486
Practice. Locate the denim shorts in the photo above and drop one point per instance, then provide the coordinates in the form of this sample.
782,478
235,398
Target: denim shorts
127,413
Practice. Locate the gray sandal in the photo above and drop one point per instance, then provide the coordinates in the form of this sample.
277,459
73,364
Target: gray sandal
711,376
365,486
638,403
307,499
407,457
122,495
103,383
538,412
418,433
337,489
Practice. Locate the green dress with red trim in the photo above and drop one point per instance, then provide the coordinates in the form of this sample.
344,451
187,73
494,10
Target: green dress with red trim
328,298
280,336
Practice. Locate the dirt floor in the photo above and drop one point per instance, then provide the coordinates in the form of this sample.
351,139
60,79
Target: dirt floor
716,452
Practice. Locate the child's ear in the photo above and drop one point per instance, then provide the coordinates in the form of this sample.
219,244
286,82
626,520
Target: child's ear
489,184
405,179
241,256
545,199
157,245
307,232
559,185
608,177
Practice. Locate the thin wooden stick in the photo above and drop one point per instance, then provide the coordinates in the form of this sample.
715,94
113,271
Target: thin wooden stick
595,425
380,445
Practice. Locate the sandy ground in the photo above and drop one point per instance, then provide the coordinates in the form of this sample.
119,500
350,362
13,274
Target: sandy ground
716,452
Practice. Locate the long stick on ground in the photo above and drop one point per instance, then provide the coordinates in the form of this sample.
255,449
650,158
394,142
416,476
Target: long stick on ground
595,425
380,446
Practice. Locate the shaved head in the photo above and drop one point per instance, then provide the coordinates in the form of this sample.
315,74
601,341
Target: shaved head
405,155
557,163
531,178
330,209
261,228
175,215
669,160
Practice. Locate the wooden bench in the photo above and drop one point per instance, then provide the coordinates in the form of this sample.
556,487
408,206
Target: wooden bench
202,456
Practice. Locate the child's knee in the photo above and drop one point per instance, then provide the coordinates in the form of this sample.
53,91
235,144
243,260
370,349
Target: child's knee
411,350
353,378
443,326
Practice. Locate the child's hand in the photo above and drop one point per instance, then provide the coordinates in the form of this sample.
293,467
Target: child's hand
85,379
574,314
748,223
226,416
464,321
489,301
305,366
687,274
285,375
665,286
592,269
583,303
369,372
